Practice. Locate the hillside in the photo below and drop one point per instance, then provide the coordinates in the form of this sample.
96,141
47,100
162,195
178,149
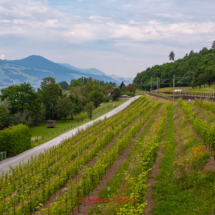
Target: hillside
34,68
185,67
88,71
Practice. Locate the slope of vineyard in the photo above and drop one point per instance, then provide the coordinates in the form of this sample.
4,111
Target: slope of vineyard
110,162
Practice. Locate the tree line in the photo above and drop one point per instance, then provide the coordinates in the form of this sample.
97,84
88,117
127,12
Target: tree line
21,104
81,82
198,68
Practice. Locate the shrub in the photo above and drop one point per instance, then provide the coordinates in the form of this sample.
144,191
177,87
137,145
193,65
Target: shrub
15,139
130,94
82,116
107,99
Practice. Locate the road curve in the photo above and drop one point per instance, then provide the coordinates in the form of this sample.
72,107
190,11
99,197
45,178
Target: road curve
4,165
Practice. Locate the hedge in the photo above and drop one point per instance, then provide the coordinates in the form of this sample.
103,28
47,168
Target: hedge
15,139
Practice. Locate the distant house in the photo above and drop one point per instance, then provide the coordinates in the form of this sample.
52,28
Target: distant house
110,92
125,96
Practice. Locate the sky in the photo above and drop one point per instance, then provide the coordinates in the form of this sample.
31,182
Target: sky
120,37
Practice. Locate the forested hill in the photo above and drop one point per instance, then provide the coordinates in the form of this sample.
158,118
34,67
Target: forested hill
199,67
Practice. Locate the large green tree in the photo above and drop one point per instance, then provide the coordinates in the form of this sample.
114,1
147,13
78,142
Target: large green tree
64,107
51,93
208,75
96,97
23,98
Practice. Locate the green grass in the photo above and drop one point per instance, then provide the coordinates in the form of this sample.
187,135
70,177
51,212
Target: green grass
105,107
41,132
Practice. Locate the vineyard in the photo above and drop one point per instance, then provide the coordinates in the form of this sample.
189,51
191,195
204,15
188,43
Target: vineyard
110,167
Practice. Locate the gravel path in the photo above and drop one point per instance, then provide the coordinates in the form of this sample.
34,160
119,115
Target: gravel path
4,165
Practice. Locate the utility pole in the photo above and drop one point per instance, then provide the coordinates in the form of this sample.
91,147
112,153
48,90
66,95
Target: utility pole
151,84
173,88
157,85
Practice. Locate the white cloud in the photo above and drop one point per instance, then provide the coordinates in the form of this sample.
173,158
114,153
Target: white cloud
2,57
5,21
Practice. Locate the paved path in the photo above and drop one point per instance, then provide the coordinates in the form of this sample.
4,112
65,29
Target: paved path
4,165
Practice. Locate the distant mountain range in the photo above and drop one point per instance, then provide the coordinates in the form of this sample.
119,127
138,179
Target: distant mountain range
34,68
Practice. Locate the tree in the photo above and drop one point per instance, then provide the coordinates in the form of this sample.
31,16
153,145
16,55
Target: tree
19,118
64,85
4,117
76,83
124,89
89,108
116,94
198,77
6,104
172,56
64,107
131,87
121,85
114,84
79,93
51,93
23,98
96,96
213,45
208,75
191,53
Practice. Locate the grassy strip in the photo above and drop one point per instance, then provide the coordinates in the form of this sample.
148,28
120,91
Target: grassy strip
191,195
166,171
118,181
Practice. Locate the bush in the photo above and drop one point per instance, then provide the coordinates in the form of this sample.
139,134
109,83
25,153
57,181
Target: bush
82,116
130,94
107,99
15,140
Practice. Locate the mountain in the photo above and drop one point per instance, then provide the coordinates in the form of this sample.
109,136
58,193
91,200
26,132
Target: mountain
94,71
34,68
126,80
88,71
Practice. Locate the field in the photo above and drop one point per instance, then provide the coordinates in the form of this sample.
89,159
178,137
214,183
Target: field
153,157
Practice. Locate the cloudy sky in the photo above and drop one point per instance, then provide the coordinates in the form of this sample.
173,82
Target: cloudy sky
121,37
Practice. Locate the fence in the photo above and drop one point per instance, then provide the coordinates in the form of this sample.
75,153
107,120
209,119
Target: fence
2,155
197,95
67,128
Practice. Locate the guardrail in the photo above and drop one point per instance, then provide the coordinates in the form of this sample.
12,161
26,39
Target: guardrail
194,94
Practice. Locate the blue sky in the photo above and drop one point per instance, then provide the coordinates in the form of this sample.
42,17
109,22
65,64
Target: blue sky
121,37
